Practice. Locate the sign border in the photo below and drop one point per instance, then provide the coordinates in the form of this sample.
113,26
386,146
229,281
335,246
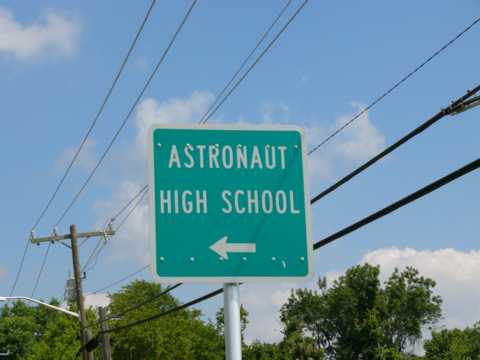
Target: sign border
225,279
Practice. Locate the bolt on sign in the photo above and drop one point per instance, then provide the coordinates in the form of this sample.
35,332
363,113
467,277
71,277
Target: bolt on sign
229,204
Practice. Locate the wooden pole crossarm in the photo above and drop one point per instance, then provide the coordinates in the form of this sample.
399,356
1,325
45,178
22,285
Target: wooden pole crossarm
53,238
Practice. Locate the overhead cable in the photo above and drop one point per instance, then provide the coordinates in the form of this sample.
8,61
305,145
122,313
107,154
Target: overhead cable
101,243
209,113
451,109
143,268
257,60
395,86
474,165
124,122
129,113
125,207
84,140
139,305
245,61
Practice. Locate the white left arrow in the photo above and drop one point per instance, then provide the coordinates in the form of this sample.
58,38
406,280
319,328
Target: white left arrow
222,247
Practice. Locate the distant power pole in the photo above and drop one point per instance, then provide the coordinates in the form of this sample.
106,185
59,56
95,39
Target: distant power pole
105,336
74,236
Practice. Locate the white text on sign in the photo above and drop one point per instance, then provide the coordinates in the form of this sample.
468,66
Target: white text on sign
235,201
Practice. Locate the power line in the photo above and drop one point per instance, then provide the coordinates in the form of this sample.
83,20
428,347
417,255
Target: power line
388,150
139,305
125,207
396,85
124,122
203,120
257,60
122,222
373,217
144,191
206,115
40,272
132,108
143,268
99,112
474,165
350,121
20,267
84,140
94,254
168,312
449,110
402,202
102,243
244,62
146,302
94,342
459,103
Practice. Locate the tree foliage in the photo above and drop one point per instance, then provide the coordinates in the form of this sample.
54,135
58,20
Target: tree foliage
357,318
182,335
454,344
220,321
37,333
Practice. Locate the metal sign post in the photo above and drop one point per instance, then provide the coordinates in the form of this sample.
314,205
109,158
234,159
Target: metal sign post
231,311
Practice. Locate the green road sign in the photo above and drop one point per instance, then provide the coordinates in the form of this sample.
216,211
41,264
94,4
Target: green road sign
229,204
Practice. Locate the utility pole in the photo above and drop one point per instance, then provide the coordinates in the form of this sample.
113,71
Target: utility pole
74,236
105,336
79,291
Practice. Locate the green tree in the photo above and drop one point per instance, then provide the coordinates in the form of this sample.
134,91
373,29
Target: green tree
181,335
262,351
454,344
60,339
220,321
38,333
358,318
17,330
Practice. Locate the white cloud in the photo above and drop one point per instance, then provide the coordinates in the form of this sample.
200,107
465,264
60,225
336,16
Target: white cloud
131,241
356,143
53,35
263,302
86,159
142,63
456,273
360,140
260,300
272,112
96,300
173,111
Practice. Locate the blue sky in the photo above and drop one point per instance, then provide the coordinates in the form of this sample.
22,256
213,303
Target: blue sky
60,59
